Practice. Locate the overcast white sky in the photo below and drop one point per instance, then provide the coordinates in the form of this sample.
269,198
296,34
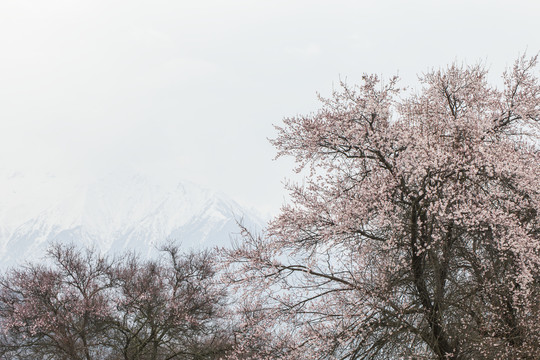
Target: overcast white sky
190,89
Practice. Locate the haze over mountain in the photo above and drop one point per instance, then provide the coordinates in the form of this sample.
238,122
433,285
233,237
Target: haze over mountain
115,213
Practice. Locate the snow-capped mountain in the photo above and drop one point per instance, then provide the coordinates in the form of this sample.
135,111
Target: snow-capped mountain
114,214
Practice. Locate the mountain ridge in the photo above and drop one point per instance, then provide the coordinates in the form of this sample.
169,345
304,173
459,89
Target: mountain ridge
120,214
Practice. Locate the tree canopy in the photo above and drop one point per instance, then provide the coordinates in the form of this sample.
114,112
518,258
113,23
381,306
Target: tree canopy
83,306
415,233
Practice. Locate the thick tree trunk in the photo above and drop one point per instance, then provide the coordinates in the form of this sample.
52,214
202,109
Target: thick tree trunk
438,339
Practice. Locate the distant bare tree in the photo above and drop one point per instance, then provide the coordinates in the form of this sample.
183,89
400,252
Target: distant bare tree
169,309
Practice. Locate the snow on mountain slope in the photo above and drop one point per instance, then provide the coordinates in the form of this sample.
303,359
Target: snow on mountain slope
114,214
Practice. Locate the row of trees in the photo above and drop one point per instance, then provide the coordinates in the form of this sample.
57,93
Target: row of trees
85,306
415,235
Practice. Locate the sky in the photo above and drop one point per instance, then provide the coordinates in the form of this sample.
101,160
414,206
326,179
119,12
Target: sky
191,89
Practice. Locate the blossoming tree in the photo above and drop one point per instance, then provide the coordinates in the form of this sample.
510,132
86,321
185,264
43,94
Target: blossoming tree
58,312
82,306
416,232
